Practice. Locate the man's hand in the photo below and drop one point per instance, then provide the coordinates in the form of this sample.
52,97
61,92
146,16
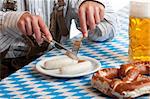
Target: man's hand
90,13
33,24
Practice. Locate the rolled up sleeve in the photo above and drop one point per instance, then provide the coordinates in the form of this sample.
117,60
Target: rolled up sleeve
8,28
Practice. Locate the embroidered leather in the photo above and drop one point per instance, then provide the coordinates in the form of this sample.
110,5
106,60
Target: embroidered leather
9,5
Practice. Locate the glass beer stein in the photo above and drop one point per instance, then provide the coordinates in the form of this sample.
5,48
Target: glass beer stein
139,30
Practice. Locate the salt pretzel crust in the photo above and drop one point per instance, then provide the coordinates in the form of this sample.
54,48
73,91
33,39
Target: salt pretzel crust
129,81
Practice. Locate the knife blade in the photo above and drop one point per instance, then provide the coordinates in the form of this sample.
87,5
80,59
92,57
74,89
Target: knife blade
68,52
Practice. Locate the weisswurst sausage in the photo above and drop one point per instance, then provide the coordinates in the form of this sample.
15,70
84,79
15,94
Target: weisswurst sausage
76,68
56,63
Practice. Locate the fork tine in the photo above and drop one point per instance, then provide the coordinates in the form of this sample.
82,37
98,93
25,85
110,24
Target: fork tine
76,46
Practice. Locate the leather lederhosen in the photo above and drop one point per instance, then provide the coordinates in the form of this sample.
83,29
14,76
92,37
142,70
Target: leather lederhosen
57,28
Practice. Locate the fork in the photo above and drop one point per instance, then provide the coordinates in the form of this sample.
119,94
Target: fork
76,45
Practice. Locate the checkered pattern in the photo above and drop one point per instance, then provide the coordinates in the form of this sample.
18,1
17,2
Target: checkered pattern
28,83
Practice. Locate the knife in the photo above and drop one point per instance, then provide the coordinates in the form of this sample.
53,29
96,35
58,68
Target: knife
68,52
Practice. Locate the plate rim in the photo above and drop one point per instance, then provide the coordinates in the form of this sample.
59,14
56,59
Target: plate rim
40,69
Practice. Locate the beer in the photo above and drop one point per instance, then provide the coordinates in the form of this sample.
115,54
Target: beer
139,31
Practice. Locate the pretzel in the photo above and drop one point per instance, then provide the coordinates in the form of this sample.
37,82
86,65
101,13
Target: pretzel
129,81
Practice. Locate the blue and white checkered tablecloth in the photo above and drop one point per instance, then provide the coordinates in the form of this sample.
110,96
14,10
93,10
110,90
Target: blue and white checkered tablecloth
28,83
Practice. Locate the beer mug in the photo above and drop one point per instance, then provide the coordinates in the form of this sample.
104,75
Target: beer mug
139,30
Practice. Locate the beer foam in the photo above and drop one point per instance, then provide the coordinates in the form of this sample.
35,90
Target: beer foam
140,8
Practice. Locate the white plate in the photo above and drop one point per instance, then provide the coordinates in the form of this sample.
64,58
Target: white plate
55,72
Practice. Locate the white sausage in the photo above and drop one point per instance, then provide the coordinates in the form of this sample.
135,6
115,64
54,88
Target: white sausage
76,68
59,62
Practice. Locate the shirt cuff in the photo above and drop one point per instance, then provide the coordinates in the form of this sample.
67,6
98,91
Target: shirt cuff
103,32
11,19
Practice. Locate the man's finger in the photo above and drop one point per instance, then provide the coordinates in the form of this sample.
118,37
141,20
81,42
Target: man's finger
28,26
82,18
44,29
90,17
101,13
36,29
22,28
97,15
